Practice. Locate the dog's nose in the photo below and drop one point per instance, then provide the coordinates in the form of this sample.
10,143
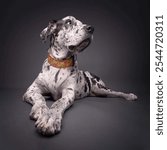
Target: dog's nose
90,29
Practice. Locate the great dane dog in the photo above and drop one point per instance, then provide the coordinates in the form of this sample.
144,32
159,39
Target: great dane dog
61,77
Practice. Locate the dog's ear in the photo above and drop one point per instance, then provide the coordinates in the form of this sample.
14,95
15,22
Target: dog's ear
48,30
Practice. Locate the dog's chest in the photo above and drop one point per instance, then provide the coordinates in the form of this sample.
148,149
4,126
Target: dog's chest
54,77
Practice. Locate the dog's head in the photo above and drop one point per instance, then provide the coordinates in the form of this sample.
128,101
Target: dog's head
68,34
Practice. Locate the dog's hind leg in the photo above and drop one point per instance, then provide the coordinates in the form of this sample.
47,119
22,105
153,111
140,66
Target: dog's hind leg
34,97
103,91
98,88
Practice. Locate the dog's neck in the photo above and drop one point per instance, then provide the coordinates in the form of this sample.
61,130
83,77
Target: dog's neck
60,57
59,52
64,63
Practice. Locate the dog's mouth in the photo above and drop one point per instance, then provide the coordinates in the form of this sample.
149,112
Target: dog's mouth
81,46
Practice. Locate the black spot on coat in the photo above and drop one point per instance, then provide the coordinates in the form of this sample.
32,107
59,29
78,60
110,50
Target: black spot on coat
87,80
85,88
102,87
93,81
56,76
80,78
77,79
70,89
95,77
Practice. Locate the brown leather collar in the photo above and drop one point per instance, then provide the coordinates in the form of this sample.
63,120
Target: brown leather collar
60,63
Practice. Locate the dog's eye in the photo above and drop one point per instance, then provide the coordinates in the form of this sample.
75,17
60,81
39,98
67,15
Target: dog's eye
68,22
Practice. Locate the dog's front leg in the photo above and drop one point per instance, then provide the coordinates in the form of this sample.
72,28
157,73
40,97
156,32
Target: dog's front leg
50,123
34,97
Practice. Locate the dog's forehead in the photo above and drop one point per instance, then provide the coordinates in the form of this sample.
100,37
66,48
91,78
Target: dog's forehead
71,18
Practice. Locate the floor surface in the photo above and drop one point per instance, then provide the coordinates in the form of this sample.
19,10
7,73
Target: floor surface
90,124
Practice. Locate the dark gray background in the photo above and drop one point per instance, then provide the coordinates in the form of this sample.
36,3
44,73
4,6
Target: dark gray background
119,54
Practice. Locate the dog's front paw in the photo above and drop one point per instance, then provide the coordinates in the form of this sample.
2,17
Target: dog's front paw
49,123
38,110
131,97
